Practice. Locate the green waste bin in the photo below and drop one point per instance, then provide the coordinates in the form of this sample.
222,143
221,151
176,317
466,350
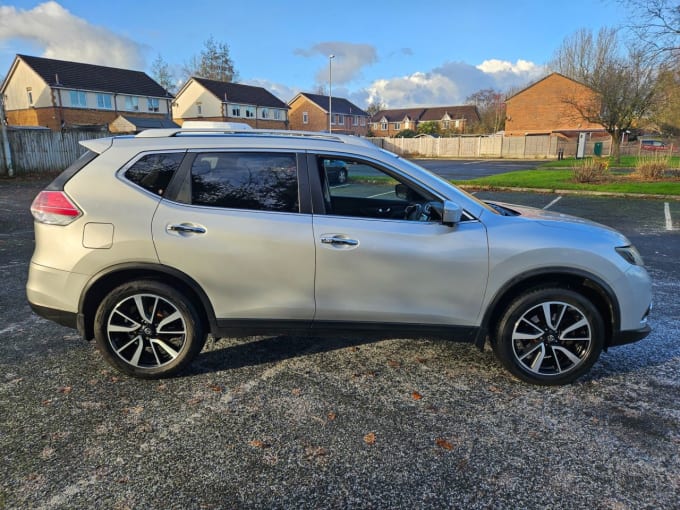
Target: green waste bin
598,149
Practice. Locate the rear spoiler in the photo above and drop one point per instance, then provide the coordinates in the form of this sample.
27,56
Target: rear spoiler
97,145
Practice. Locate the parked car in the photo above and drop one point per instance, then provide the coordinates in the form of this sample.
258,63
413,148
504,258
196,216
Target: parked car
336,170
653,145
149,243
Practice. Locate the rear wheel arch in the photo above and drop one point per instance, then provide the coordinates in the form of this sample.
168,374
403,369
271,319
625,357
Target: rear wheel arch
104,282
591,287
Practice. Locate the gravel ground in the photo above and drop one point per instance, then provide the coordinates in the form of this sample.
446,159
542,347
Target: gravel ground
281,422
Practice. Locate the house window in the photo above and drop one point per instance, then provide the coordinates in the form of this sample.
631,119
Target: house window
250,112
340,120
355,120
456,123
305,118
199,109
104,102
78,99
397,126
383,126
363,121
264,112
235,110
29,94
278,115
132,103
446,124
153,104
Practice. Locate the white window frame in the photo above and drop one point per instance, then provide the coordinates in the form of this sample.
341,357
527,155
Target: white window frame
29,95
104,101
132,103
383,126
305,118
362,121
355,120
199,108
397,126
235,110
264,113
341,119
153,104
81,98
250,112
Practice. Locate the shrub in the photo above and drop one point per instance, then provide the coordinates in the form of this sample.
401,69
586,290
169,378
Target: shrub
591,170
405,133
652,167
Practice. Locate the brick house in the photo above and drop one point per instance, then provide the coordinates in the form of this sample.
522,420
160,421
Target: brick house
547,106
202,99
451,119
57,93
309,112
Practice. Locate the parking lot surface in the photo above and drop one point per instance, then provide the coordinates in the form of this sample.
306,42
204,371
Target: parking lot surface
287,422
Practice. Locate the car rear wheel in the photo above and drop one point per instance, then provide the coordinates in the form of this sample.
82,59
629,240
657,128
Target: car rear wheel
549,336
147,329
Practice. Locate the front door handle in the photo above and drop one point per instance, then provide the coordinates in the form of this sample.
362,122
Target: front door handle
186,228
336,239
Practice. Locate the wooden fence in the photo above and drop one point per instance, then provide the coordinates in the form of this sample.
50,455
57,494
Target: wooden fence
518,147
43,150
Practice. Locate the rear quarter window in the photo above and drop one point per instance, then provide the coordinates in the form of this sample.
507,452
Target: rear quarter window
153,172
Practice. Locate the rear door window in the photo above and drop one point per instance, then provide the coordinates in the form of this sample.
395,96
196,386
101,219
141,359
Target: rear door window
245,180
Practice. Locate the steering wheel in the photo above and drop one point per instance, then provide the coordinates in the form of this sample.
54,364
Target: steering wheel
413,212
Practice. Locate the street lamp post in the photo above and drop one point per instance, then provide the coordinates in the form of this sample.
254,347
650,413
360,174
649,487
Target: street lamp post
330,91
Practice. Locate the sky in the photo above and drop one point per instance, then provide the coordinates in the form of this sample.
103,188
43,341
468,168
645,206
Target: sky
401,53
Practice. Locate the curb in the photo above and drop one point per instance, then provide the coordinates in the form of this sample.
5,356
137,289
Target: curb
612,194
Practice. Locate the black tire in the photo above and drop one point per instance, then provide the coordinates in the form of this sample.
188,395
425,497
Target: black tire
148,329
549,336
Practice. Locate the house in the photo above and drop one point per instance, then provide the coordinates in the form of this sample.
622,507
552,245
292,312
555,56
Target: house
57,93
309,112
549,106
128,124
203,99
450,119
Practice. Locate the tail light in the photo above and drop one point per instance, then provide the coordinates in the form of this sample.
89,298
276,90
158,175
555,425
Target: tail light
54,208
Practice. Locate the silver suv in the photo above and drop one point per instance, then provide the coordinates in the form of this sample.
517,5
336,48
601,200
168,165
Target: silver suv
150,243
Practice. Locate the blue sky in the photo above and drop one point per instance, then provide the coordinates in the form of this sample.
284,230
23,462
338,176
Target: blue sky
404,53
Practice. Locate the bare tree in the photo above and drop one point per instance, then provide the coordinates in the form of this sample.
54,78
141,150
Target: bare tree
489,103
375,106
213,63
657,24
623,81
162,74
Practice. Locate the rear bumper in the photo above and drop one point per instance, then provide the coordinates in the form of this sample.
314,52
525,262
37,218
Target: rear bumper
68,319
629,336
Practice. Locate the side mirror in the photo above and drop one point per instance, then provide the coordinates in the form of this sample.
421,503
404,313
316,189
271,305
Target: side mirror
451,214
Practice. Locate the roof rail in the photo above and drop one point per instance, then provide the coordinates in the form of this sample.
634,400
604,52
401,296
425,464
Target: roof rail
208,131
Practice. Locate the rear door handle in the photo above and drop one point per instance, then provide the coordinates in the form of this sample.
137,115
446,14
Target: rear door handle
337,239
186,228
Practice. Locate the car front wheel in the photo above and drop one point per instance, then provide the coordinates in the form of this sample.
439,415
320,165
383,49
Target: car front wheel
549,336
147,329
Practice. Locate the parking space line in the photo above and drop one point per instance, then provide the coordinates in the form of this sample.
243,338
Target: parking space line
552,203
667,213
381,194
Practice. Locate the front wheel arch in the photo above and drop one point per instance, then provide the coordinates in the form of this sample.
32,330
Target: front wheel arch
591,287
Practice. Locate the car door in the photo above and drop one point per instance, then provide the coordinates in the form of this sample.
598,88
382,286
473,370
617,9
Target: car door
236,228
373,266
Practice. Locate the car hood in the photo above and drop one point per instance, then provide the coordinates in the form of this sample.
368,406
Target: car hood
555,219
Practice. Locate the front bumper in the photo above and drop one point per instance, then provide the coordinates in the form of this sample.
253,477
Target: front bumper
629,336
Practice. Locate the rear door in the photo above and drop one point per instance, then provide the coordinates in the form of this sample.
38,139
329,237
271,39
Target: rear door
237,228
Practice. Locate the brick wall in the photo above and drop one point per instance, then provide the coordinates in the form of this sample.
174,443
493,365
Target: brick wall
53,117
544,108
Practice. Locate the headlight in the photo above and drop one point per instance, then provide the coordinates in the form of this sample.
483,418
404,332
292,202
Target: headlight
631,255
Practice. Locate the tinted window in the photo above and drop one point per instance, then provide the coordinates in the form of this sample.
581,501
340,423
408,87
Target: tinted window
154,171
258,181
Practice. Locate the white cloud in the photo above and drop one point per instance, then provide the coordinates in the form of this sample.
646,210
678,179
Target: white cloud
451,83
62,35
349,60
283,92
